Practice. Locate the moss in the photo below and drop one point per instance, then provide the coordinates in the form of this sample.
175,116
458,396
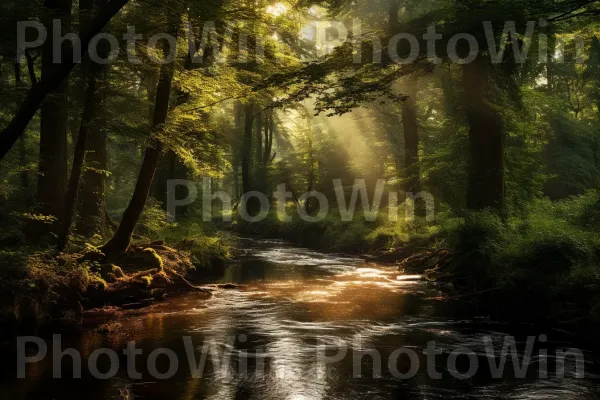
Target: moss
111,269
147,279
152,257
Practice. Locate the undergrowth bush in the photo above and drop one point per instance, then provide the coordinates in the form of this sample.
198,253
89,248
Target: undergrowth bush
35,285
547,264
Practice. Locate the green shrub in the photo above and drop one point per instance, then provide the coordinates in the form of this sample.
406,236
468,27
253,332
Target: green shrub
209,253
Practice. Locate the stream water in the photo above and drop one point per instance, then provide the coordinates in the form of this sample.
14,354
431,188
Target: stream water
306,325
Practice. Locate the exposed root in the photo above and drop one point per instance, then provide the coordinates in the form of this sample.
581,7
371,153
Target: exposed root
427,261
191,285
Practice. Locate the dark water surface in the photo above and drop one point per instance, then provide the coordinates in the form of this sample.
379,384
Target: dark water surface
269,340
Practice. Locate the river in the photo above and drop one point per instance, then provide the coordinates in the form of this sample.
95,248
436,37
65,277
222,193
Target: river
307,325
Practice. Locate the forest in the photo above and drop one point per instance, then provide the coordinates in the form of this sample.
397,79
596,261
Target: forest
458,140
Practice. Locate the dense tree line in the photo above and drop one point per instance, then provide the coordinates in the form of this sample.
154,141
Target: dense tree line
86,148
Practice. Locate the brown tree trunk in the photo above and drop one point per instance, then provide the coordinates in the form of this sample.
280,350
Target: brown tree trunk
238,115
86,120
121,240
92,192
22,147
54,118
258,146
485,186
411,137
247,147
308,205
92,137
269,128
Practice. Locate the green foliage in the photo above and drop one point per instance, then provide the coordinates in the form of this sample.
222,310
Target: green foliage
533,264
209,254
36,285
153,222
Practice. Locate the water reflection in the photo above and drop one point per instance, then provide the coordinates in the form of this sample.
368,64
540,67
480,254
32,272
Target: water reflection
265,339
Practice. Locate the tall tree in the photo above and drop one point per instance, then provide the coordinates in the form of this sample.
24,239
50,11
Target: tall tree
54,118
22,145
411,136
247,147
93,137
485,187
121,240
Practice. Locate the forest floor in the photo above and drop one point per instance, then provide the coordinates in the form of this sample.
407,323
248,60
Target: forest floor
40,286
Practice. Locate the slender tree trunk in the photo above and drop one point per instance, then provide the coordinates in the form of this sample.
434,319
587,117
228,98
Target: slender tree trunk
236,178
258,149
485,186
260,172
308,205
393,19
92,137
269,128
92,192
550,65
40,90
54,119
22,146
409,117
238,115
86,120
121,240
411,137
247,147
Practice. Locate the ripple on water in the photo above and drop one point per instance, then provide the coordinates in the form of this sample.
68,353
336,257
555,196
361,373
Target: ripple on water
296,301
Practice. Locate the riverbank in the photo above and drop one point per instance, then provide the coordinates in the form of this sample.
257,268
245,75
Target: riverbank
542,266
40,285
295,302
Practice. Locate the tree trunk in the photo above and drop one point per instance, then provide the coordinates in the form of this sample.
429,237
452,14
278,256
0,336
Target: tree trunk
247,147
550,65
22,148
258,149
54,119
86,120
92,137
269,128
92,192
47,85
485,186
308,205
121,240
411,137
238,115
